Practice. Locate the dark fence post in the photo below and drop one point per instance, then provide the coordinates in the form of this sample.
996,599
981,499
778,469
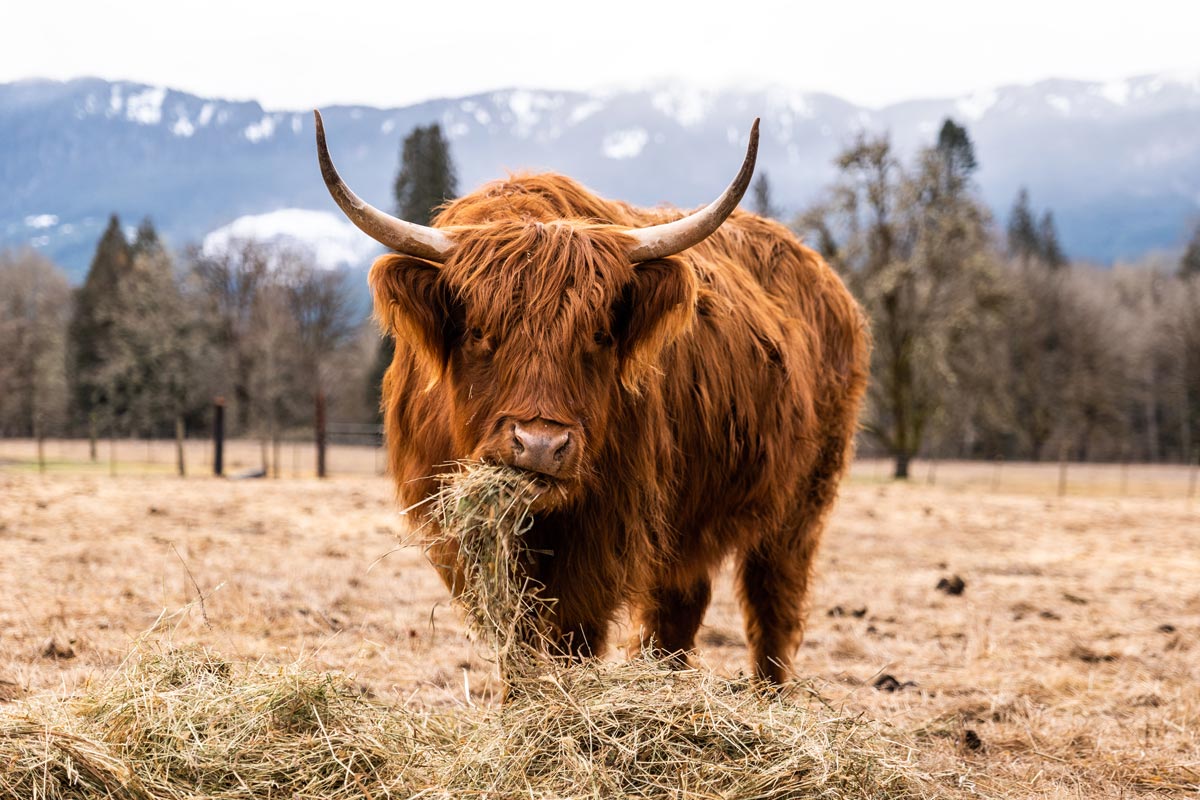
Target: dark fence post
320,429
92,456
219,436
180,437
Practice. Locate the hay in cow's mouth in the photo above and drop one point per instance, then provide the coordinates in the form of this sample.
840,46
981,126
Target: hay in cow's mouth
175,724
487,509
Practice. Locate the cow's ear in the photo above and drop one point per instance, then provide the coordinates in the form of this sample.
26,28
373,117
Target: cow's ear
414,304
655,308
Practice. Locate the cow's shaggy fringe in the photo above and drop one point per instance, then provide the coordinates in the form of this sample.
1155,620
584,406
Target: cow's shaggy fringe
175,724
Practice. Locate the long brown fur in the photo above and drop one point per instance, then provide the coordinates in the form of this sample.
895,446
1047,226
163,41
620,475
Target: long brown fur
715,394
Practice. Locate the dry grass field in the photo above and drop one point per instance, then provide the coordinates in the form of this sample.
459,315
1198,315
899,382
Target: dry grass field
1068,666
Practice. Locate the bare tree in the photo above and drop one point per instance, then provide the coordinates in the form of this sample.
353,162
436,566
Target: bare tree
35,303
913,246
276,323
227,286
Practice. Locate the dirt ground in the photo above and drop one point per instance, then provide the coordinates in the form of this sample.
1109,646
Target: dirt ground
1068,666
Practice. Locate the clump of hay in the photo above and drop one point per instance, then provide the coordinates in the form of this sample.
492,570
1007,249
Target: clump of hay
486,510
186,724
644,729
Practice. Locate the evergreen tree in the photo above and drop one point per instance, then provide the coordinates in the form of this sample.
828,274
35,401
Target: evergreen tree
761,204
146,240
1049,249
957,153
425,180
128,365
91,332
1024,242
1189,265
1030,240
426,176
154,327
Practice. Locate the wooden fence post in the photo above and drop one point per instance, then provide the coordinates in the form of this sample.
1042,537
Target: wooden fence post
320,431
219,436
180,435
92,455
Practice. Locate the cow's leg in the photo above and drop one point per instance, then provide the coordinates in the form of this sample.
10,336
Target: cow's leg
585,602
581,631
670,614
775,571
580,639
773,582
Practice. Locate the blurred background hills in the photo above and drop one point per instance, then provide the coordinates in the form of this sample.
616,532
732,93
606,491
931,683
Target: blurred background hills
1118,161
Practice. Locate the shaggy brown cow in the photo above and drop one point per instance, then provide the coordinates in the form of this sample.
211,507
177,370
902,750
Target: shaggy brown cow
686,390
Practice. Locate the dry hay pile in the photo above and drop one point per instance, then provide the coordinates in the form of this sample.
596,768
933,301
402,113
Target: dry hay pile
176,724
187,724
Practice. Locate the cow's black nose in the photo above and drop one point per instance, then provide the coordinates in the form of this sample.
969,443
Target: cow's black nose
541,446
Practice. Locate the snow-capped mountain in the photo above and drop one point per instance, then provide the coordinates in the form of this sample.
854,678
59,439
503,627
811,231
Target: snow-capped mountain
1118,162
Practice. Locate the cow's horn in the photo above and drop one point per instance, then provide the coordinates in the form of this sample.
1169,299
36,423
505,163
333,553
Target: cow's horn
404,237
660,241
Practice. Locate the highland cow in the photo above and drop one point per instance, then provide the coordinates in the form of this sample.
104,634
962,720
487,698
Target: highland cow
685,387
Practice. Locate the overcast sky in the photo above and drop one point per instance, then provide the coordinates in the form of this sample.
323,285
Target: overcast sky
302,54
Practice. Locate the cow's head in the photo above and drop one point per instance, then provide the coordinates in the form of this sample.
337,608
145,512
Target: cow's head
535,327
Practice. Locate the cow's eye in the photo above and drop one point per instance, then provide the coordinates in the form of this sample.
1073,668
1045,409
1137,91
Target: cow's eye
602,338
477,341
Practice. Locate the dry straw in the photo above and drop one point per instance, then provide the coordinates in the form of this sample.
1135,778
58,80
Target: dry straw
486,510
175,724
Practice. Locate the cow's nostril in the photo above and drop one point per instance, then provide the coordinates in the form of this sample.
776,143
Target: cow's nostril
517,446
561,450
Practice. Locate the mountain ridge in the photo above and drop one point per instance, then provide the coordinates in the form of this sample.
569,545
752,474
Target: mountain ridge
1117,161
